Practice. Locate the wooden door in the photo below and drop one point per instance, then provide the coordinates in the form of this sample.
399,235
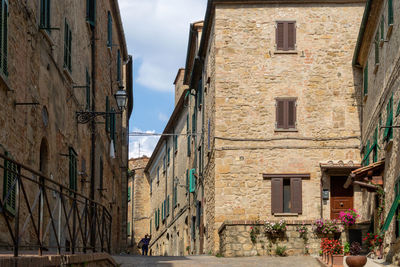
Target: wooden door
341,198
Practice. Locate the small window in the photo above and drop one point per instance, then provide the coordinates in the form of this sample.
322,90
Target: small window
91,12
285,113
109,30
67,46
390,12
285,35
45,15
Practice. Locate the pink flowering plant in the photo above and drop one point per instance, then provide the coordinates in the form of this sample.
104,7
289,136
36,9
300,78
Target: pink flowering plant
322,226
348,217
302,229
275,227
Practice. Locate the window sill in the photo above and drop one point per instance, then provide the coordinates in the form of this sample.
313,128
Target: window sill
286,130
389,32
286,214
376,68
289,52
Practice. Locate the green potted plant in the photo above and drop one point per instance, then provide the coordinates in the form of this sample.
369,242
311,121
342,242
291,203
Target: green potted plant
356,260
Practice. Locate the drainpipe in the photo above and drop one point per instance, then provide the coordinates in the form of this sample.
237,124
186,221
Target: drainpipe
93,140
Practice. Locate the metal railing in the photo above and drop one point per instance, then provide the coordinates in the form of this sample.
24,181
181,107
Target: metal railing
40,213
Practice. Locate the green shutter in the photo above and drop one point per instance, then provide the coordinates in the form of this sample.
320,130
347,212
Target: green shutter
118,66
129,193
87,90
192,185
107,114
382,28
391,213
4,37
175,142
91,12
366,79
73,171
387,135
109,30
390,12
10,184
367,153
45,15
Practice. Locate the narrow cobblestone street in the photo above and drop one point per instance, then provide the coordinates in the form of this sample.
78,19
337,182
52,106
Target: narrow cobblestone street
210,261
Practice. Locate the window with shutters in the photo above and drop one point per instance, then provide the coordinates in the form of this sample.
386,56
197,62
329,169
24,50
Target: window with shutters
11,172
285,35
73,170
4,37
129,193
286,192
109,30
91,12
286,114
45,15
67,46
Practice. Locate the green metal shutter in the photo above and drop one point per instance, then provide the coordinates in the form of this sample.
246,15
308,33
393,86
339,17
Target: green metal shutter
10,184
158,217
391,213
192,181
87,90
366,79
390,12
109,30
45,15
129,193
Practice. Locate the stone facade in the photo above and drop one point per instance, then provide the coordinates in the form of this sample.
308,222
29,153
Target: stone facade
138,203
39,136
242,76
377,65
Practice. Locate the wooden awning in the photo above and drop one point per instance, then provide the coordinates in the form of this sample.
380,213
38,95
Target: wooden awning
371,173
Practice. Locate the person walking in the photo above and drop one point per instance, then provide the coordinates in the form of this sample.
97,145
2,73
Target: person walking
145,244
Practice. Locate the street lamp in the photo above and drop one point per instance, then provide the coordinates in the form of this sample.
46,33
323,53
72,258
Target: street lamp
121,97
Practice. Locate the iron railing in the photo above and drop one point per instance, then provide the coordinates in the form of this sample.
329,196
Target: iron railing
40,213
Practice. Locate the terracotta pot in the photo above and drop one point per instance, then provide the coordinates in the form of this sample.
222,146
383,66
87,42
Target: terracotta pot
337,260
356,261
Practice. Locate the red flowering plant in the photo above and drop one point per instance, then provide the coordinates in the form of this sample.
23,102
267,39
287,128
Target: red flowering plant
331,246
348,217
373,240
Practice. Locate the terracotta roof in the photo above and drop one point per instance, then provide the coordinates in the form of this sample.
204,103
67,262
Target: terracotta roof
363,171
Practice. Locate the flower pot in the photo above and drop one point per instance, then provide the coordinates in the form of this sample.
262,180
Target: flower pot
337,261
356,261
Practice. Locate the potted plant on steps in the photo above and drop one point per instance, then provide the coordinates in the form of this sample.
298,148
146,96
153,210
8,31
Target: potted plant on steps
356,260
337,254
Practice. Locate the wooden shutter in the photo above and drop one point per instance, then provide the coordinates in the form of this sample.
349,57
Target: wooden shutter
291,36
291,107
296,195
280,36
276,195
280,121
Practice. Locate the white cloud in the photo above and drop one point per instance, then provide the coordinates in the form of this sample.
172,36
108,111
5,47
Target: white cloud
142,145
157,33
162,117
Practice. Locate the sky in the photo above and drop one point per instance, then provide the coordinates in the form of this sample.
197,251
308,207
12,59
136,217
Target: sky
157,33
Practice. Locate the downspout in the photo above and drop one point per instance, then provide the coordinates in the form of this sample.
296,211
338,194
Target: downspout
93,140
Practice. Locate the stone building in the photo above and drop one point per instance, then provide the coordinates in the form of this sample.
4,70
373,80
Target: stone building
280,117
138,203
376,70
56,60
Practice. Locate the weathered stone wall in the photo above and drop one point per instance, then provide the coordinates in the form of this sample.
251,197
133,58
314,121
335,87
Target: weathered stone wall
36,74
139,205
235,239
249,75
383,83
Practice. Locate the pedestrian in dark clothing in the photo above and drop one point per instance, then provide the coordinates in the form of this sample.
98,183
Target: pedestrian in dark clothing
145,244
